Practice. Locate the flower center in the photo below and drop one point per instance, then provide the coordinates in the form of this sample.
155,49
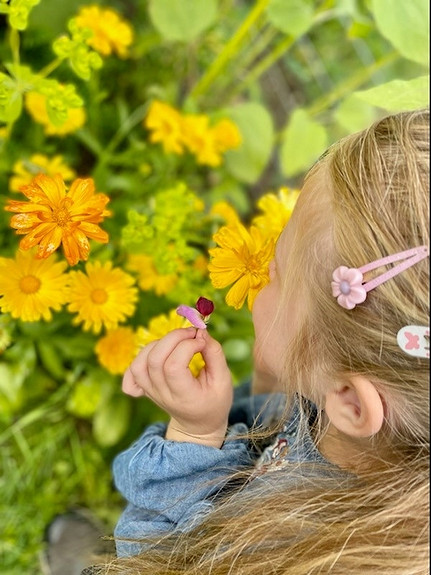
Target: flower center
29,284
345,287
99,296
61,216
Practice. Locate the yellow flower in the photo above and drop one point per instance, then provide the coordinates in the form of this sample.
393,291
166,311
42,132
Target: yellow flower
25,170
198,139
209,143
226,211
148,277
161,325
4,133
55,216
166,126
30,288
110,32
201,265
242,259
36,107
103,296
276,209
117,349
226,135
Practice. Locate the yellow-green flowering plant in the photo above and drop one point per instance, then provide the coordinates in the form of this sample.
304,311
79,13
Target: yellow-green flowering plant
147,160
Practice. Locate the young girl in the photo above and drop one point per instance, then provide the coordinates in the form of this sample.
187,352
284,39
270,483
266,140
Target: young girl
342,336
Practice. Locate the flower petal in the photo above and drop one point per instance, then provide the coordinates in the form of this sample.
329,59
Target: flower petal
192,315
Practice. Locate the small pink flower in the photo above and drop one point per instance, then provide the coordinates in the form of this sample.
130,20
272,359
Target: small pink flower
199,315
347,287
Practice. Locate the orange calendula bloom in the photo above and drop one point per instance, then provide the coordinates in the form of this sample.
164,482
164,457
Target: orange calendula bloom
242,259
36,107
26,170
166,126
31,288
102,297
55,216
110,32
117,349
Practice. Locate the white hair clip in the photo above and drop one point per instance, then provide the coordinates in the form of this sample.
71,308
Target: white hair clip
414,340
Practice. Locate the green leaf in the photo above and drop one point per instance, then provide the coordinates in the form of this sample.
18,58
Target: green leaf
398,95
10,99
111,420
11,394
303,141
405,25
51,359
85,397
293,17
19,12
182,20
255,124
236,349
354,115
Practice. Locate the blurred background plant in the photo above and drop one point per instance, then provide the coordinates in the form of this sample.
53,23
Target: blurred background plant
158,130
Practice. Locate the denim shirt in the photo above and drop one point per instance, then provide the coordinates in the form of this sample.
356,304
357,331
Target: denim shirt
170,485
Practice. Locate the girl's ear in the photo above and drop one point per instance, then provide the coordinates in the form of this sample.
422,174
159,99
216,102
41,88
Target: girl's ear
357,408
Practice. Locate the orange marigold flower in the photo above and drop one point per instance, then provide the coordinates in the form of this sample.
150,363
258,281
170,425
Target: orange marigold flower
110,32
55,215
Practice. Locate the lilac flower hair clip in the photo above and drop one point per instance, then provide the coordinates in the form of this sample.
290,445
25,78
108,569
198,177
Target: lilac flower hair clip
199,315
348,283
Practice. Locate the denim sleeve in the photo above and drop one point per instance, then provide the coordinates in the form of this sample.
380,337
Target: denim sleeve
168,484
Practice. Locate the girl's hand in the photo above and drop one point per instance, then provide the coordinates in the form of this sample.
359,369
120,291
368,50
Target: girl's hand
198,406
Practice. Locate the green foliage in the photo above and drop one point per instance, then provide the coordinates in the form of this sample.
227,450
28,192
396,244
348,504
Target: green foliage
398,95
182,20
293,17
292,75
303,141
255,124
406,26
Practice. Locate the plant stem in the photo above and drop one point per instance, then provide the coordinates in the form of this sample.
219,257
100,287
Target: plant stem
134,119
49,68
350,85
229,51
283,46
14,46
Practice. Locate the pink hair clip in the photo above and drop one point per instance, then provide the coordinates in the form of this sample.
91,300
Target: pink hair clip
348,283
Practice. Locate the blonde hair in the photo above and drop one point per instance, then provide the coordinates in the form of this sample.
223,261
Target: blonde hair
378,524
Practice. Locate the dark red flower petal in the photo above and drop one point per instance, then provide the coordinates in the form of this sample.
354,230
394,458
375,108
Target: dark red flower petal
204,306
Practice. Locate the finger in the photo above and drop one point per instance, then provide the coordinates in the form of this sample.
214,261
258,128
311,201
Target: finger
158,355
215,360
129,385
176,370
